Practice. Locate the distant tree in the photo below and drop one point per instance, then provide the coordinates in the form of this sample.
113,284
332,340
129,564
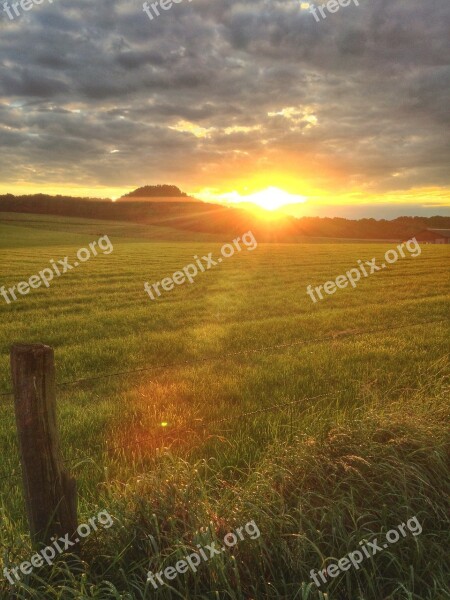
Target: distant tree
156,191
210,218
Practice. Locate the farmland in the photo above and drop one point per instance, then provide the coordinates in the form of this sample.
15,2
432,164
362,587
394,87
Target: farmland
177,433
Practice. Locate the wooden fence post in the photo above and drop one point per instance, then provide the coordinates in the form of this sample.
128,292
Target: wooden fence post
50,493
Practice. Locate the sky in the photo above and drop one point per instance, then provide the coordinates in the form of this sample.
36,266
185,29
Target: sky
231,100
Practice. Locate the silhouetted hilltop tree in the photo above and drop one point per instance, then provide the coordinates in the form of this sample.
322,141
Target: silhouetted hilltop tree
192,215
156,191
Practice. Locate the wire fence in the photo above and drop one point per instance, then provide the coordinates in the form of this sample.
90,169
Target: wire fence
240,416
298,342
204,424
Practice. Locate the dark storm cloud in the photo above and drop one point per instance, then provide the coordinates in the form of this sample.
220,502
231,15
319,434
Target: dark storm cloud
81,79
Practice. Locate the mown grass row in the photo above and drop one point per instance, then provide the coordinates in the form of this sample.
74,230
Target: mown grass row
363,450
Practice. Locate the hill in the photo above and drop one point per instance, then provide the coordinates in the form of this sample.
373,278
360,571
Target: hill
188,214
156,192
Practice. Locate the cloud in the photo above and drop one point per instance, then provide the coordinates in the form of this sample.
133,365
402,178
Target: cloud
97,94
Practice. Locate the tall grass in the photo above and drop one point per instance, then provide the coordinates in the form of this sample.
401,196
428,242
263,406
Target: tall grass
350,477
364,449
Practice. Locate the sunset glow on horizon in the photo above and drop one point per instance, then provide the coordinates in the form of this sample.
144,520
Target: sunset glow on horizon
233,105
282,198
270,199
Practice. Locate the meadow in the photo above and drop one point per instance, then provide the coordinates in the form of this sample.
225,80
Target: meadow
230,400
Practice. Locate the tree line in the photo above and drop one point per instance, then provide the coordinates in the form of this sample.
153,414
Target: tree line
193,215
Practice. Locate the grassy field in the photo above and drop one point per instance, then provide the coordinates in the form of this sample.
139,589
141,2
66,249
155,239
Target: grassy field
359,446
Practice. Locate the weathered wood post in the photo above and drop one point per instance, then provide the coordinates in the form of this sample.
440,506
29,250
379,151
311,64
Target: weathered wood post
50,493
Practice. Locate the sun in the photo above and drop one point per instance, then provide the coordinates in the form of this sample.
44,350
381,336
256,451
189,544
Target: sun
273,198
269,199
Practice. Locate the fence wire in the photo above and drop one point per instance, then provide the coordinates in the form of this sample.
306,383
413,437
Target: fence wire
261,350
204,425
330,338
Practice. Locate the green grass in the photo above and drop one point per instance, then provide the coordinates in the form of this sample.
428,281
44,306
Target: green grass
362,449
